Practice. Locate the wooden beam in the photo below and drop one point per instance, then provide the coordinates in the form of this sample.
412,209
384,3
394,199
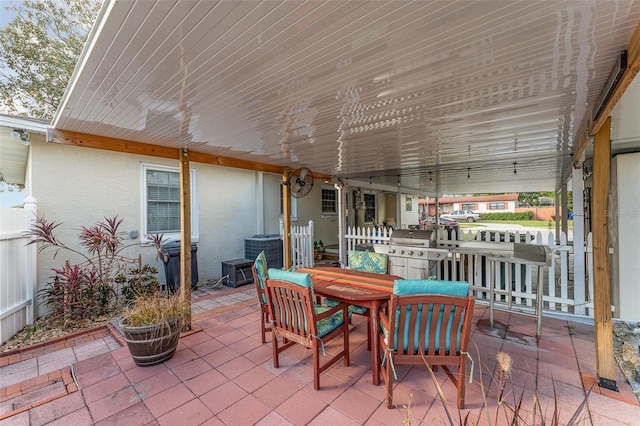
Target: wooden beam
219,160
65,137
120,145
605,363
286,218
185,231
633,67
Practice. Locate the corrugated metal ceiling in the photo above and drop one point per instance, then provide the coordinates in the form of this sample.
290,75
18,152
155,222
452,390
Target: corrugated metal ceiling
482,96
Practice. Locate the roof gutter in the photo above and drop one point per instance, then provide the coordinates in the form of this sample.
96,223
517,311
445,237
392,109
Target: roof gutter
92,38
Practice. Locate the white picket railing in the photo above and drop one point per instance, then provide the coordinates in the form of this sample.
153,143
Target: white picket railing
558,292
302,246
473,268
366,235
18,266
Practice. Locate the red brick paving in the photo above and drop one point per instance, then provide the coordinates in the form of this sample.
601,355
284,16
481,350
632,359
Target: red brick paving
221,374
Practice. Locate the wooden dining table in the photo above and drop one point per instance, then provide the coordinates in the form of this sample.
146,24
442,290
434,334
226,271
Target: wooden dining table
356,288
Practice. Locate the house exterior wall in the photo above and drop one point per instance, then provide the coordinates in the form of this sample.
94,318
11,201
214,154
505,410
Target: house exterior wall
624,234
479,204
325,226
79,186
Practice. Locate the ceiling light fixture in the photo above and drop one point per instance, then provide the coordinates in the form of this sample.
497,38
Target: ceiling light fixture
370,178
468,173
515,171
430,179
398,180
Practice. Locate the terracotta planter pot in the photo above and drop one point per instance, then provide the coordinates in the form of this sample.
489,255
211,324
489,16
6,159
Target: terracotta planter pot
152,344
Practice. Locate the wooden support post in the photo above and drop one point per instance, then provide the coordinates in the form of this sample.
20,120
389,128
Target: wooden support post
286,218
185,231
605,363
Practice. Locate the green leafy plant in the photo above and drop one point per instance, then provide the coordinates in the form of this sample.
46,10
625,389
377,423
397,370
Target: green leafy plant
91,287
138,282
30,331
318,245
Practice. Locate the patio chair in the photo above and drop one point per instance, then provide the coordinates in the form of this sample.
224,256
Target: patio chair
296,318
366,261
411,333
259,270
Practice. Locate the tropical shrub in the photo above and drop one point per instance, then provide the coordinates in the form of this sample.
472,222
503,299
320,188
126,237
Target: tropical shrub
91,287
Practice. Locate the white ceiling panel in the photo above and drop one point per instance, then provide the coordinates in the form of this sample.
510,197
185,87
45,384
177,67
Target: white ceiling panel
360,89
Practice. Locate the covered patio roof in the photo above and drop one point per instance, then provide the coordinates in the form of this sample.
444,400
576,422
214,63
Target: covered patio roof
475,96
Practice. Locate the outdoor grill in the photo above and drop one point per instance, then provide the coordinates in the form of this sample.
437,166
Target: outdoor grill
413,253
417,244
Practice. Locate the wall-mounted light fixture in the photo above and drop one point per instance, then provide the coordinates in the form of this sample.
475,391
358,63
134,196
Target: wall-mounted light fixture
22,135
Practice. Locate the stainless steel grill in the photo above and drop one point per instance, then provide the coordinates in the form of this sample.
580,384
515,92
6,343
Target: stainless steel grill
413,253
419,238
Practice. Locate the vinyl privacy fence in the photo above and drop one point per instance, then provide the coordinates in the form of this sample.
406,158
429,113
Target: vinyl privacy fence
17,271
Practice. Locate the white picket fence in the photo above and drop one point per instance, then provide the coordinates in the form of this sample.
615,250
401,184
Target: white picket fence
17,271
302,246
475,269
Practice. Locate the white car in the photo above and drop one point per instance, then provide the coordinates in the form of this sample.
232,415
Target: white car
463,215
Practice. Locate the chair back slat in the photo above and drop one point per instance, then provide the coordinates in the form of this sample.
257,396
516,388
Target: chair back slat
429,324
291,308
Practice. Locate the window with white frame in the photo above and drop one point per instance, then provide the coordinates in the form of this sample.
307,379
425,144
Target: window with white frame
160,203
497,206
329,201
468,206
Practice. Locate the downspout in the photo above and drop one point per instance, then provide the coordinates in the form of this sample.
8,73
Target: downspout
341,219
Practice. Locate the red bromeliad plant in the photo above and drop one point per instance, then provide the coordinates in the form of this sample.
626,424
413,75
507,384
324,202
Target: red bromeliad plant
91,287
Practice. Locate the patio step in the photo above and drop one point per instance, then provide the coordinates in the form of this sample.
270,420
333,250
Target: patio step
22,396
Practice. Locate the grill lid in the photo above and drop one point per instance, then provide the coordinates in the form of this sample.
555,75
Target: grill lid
415,238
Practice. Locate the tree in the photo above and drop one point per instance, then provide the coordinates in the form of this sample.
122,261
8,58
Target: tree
38,52
533,198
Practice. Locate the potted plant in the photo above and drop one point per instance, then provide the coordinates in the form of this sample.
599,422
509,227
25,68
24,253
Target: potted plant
152,325
318,249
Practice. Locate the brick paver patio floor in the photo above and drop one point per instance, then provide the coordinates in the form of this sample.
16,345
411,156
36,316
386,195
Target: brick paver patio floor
222,374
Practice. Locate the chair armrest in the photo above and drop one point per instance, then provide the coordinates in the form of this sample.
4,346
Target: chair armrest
384,319
339,307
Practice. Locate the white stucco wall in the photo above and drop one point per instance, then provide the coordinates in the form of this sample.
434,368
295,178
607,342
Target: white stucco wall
624,231
310,208
79,186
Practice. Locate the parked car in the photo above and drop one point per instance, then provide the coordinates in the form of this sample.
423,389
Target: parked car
443,220
462,215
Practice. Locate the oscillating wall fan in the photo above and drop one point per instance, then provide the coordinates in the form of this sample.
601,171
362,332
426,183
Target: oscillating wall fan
300,182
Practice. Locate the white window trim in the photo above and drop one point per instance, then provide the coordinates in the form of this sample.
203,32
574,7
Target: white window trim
329,214
170,236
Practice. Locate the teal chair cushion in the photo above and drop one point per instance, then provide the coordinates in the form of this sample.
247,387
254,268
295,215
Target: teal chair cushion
325,325
299,278
415,287
365,261
262,272
353,309
448,288
368,261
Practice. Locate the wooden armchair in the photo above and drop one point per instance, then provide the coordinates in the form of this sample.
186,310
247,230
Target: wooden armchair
259,270
428,321
296,318
366,261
